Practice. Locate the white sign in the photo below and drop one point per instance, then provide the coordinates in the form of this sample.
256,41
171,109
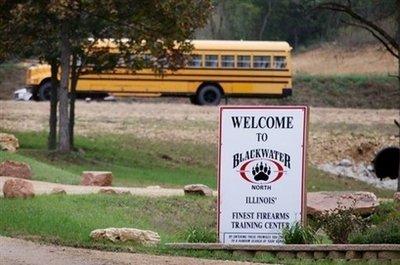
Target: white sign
261,184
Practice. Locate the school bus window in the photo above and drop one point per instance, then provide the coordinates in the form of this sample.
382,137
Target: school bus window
227,61
211,61
243,61
195,61
262,61
280,62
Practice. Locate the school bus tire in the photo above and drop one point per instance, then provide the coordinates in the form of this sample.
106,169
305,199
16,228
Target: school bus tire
193,99
44,91
209,94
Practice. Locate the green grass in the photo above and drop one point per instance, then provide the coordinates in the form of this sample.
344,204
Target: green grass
138,162
68,220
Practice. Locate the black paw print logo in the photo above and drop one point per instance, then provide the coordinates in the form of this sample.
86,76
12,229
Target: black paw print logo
261,172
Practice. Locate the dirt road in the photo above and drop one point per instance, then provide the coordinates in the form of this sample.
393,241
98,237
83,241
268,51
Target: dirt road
335,133
21,252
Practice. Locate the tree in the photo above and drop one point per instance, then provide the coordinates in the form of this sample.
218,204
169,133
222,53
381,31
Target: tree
355,17
158,27
15,42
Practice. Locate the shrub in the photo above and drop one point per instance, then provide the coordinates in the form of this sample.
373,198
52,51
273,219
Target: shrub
297,234
201,235
387,232
340,223
384,211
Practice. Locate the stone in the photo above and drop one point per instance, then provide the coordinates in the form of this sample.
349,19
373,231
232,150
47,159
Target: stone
107,191
351,254
144,237
15,169
304,255
58,191
345,163
363,203
113,191
8,142
396,196
336,255
388,255
285,255
156,187
370,255
197,189
96,178
18,188
319,254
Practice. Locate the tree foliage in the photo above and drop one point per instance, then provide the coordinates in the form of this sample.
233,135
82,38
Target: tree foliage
58,30
295,21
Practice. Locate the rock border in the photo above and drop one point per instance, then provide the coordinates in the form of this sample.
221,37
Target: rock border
318,251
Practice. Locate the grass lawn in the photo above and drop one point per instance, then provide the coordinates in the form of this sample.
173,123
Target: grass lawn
68,220
138,162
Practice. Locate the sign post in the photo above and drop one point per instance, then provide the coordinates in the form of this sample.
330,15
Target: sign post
262,163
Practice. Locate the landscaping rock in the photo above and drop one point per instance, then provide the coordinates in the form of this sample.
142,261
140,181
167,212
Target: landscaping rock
336,255
58,191
396,196
345,163
8,142
362,202
370,255
197,189
351,255
107,191
319,255
15,169
388,255
18,188
96,178
144,237
112,191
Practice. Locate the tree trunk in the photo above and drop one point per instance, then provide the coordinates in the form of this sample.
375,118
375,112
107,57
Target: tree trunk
52,140
74,82
64,140
265,20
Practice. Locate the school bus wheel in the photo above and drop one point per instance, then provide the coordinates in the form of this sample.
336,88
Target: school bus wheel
209,94
193,99
44,91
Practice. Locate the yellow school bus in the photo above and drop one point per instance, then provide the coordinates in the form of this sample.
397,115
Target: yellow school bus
216,69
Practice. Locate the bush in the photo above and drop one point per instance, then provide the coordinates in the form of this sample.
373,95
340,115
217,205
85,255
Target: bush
387,232
385,211
200,235
340,223
297,234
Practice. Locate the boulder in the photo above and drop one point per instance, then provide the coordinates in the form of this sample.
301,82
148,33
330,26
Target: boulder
113,191
107,191
345,163
363,203
8,142
144,237
197,189
18,188
58,191
15,169
96,178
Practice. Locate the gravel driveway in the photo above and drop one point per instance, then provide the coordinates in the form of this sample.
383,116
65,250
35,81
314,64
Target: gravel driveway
21,252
